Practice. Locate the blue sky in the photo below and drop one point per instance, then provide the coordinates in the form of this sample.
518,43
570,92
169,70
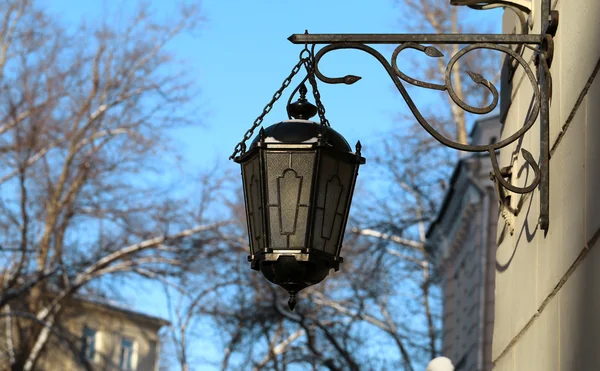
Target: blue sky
240,57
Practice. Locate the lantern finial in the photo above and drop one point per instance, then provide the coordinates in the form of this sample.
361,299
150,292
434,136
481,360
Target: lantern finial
302,109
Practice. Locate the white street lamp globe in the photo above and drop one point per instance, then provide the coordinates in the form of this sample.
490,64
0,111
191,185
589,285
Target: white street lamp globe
440,364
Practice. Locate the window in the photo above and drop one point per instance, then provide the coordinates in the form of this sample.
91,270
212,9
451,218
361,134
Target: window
88,343
126,362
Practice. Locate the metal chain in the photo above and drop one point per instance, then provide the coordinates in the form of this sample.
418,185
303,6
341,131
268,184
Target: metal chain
307,61
240,148
309,65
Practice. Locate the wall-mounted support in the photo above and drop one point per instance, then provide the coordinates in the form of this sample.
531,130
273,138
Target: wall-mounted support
522,8
541,86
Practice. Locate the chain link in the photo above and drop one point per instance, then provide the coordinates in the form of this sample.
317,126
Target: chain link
307,62
240,148
309,65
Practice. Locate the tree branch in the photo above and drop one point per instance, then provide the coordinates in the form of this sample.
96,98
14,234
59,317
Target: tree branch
420,246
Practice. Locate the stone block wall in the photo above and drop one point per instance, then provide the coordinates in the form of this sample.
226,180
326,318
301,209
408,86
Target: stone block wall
547,312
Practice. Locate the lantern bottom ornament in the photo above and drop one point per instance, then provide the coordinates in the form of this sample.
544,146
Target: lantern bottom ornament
293,271
298,178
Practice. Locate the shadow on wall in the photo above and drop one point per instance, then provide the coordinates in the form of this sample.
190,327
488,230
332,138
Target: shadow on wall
526,229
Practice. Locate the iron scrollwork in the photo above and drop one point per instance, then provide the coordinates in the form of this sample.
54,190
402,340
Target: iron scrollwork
540,86
398,76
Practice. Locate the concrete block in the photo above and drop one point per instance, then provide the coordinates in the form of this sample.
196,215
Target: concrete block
516,258
517,255
504,297
537,349
548,337
523,268
516,282
576,45
592,162
507,363
579,304
565,238
569,179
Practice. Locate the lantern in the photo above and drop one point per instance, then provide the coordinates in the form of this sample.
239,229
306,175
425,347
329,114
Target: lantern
298,178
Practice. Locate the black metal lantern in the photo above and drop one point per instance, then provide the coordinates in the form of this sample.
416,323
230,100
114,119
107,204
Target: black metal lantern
298,178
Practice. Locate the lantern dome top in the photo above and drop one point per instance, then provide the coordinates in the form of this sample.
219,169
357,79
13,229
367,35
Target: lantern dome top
302,132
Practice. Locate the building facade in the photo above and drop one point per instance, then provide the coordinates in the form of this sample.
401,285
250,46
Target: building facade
104,336
548,283
462,241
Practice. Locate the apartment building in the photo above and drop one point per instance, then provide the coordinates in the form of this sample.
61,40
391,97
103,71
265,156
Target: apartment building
97,335
462,241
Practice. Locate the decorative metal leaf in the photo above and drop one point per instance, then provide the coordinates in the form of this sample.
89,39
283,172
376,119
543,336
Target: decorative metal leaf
433,52
527,156
477,78
351,79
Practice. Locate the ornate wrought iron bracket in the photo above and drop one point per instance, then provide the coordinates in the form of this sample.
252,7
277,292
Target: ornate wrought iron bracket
541,84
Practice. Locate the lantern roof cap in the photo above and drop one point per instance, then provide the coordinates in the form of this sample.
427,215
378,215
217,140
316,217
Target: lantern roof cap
297,131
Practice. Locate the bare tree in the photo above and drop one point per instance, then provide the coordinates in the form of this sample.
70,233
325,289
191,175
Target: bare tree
190,293
414,169
387,295
84,126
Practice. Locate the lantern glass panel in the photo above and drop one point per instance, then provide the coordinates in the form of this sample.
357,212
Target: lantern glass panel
254,205
335,179
289,182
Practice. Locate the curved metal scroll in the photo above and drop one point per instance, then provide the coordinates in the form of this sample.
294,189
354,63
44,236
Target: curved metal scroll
398,76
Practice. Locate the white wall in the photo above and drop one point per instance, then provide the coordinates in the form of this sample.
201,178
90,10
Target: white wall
547,314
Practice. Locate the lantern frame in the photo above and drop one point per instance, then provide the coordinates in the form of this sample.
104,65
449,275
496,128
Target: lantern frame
541,87
321,161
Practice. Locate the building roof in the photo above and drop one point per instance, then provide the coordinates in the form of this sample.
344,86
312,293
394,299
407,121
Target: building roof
451,189
493,120
479,124
119,308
